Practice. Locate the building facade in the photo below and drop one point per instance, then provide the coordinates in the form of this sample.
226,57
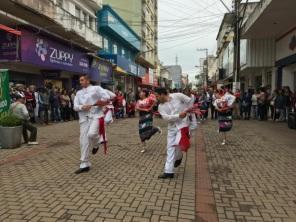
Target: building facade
53,43
142,17
274,19
225,51
120,46
165,78
175,72
257,56
184,80
212,70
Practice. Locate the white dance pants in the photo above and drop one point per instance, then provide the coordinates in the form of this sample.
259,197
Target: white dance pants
89,138
173,150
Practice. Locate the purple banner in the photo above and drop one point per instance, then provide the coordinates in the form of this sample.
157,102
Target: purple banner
101,71
8,46
49,53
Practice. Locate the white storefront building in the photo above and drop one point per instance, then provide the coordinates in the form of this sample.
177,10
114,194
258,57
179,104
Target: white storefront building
286,59
275,20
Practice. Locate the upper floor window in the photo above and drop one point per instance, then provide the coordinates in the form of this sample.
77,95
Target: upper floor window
115,49
60,3
83,17
92,23
77,12
106,44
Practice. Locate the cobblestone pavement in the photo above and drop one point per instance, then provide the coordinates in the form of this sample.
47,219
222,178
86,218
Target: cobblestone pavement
253,177
39,184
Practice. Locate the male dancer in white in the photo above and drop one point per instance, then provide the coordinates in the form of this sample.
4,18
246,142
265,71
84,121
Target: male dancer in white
88,103
173,108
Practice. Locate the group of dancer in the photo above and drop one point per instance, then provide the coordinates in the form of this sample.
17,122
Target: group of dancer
94,106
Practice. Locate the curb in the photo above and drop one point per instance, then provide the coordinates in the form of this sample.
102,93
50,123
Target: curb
205,202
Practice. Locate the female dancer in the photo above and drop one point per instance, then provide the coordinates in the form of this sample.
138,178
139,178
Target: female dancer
224,104
144,106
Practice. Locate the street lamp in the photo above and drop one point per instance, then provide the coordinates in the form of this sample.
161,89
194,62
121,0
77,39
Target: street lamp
207,68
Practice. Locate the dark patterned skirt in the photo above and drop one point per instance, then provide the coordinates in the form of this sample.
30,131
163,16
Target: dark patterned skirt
225,121
146,128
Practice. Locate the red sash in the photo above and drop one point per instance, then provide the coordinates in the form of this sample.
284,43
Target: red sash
102,133
185,139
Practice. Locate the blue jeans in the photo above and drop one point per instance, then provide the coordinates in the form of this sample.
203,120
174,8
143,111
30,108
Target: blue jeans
55,114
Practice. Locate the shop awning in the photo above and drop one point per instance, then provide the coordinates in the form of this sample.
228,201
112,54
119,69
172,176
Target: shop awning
120,70
10,30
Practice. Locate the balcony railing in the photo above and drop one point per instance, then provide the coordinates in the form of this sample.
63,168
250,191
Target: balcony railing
68,21
97,4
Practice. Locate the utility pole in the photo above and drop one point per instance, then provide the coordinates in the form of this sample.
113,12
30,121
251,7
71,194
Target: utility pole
236,66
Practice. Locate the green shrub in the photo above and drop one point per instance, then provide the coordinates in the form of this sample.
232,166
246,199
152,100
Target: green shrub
10,121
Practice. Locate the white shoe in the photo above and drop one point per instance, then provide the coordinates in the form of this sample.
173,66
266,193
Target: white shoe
33,143
159,130
223,142
143,151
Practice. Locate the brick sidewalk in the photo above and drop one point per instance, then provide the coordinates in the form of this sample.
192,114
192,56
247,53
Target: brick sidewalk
250,179
254,177
39,184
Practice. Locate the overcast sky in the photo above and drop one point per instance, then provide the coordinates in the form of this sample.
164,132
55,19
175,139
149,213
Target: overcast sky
184,26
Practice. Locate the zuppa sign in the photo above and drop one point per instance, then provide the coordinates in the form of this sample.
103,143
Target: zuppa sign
41,50
55,55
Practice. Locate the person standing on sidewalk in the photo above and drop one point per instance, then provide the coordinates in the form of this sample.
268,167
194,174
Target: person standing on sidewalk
145,106
65,105
55,106
19,109
246,105
30,102
173,108
43,100
237,105
88,103
262,105
255,105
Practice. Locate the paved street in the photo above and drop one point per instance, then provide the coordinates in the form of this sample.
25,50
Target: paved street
39,184
251,179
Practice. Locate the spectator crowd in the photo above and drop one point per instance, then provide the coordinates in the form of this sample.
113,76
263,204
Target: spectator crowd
52,104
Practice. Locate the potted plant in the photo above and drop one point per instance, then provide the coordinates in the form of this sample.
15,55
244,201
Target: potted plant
10,131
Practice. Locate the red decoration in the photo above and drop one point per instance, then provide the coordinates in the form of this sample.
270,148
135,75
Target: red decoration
185,139
102,133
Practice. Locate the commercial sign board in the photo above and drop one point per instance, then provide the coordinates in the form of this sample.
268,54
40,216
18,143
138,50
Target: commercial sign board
101,71
4,91
8,46
128,66
112,22
43,51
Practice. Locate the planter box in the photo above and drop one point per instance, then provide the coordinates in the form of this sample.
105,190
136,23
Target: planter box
292,120
11,137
